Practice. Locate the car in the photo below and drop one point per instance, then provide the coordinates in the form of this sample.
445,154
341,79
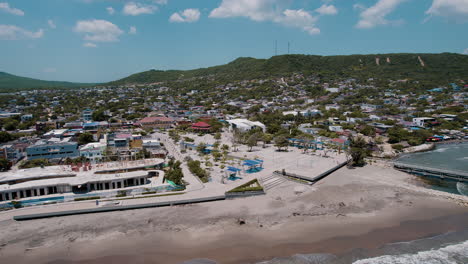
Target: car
433,139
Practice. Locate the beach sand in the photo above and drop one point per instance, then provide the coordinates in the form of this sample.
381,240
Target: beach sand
352,208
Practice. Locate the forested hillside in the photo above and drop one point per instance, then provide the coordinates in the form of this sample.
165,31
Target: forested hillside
438,68
10,82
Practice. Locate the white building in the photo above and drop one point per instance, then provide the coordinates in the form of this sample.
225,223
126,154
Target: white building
245,125
93,151
335,128
422,121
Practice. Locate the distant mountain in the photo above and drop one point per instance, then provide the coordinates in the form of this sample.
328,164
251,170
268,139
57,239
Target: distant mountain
424,67
10,82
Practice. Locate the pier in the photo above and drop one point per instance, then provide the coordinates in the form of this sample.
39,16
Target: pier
461,176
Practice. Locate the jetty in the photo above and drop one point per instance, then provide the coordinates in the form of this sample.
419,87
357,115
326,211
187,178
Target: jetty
461,176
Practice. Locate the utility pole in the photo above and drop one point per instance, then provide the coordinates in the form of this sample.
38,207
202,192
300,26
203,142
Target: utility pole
276,47
288,47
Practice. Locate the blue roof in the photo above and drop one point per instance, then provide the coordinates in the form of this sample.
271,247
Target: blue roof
251,163
91,124
233,169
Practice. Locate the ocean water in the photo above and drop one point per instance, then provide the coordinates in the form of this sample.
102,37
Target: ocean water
453,254
452,157
449,156
448,248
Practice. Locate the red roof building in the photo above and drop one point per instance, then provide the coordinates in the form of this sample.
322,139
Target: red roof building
201,126
156,122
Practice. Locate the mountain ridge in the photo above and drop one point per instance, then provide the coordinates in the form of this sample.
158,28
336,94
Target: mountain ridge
14,82
444,66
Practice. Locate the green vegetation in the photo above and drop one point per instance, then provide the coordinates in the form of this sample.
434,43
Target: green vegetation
251,186
281,142
398,134
9,82
87,198
4,164
195,168
5,137
398,147
440,68
85,138
121,194
358,150
35,163
174,173
17,204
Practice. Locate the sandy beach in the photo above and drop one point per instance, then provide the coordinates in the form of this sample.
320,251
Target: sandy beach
352,208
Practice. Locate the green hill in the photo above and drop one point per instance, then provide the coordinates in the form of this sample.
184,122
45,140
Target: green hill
9,82
442,68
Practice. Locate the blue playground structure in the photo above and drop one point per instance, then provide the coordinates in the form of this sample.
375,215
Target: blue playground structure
253,165
233,173
294,142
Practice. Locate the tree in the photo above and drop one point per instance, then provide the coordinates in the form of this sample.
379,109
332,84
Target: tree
99,116
85,138
267,138
217,155
358,151
368,130
217,136
281,142
174,135
201,148
4,164
11,125
252,141
225,147
175,173
5,137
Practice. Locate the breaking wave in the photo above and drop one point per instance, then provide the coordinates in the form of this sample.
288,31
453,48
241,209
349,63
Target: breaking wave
453,254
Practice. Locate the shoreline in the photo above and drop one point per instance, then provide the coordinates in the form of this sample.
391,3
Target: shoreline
347,248
350,208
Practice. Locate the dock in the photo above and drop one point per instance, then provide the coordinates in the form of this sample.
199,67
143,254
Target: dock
461,176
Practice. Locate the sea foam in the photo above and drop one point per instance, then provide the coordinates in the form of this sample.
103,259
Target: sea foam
453,254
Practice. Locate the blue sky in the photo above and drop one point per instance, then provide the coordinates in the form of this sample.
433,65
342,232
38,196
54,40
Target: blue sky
104,40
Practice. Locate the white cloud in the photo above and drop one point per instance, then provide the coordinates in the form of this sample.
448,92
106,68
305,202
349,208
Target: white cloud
51,23
465,51
327,10
453,9
188,15
14,11
135,9
133,30
300,19
359,7
110,10
375,15
11,32
49,70
98,30
257,10
160,2
267,10
89,45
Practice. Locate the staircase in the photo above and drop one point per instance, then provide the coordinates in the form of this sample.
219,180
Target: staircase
272,181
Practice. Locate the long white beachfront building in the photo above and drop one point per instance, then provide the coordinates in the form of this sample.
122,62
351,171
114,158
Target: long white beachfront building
34,182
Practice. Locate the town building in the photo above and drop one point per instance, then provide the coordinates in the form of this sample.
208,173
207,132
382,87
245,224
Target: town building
156,122
244,125
87,115
48,150
93,151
